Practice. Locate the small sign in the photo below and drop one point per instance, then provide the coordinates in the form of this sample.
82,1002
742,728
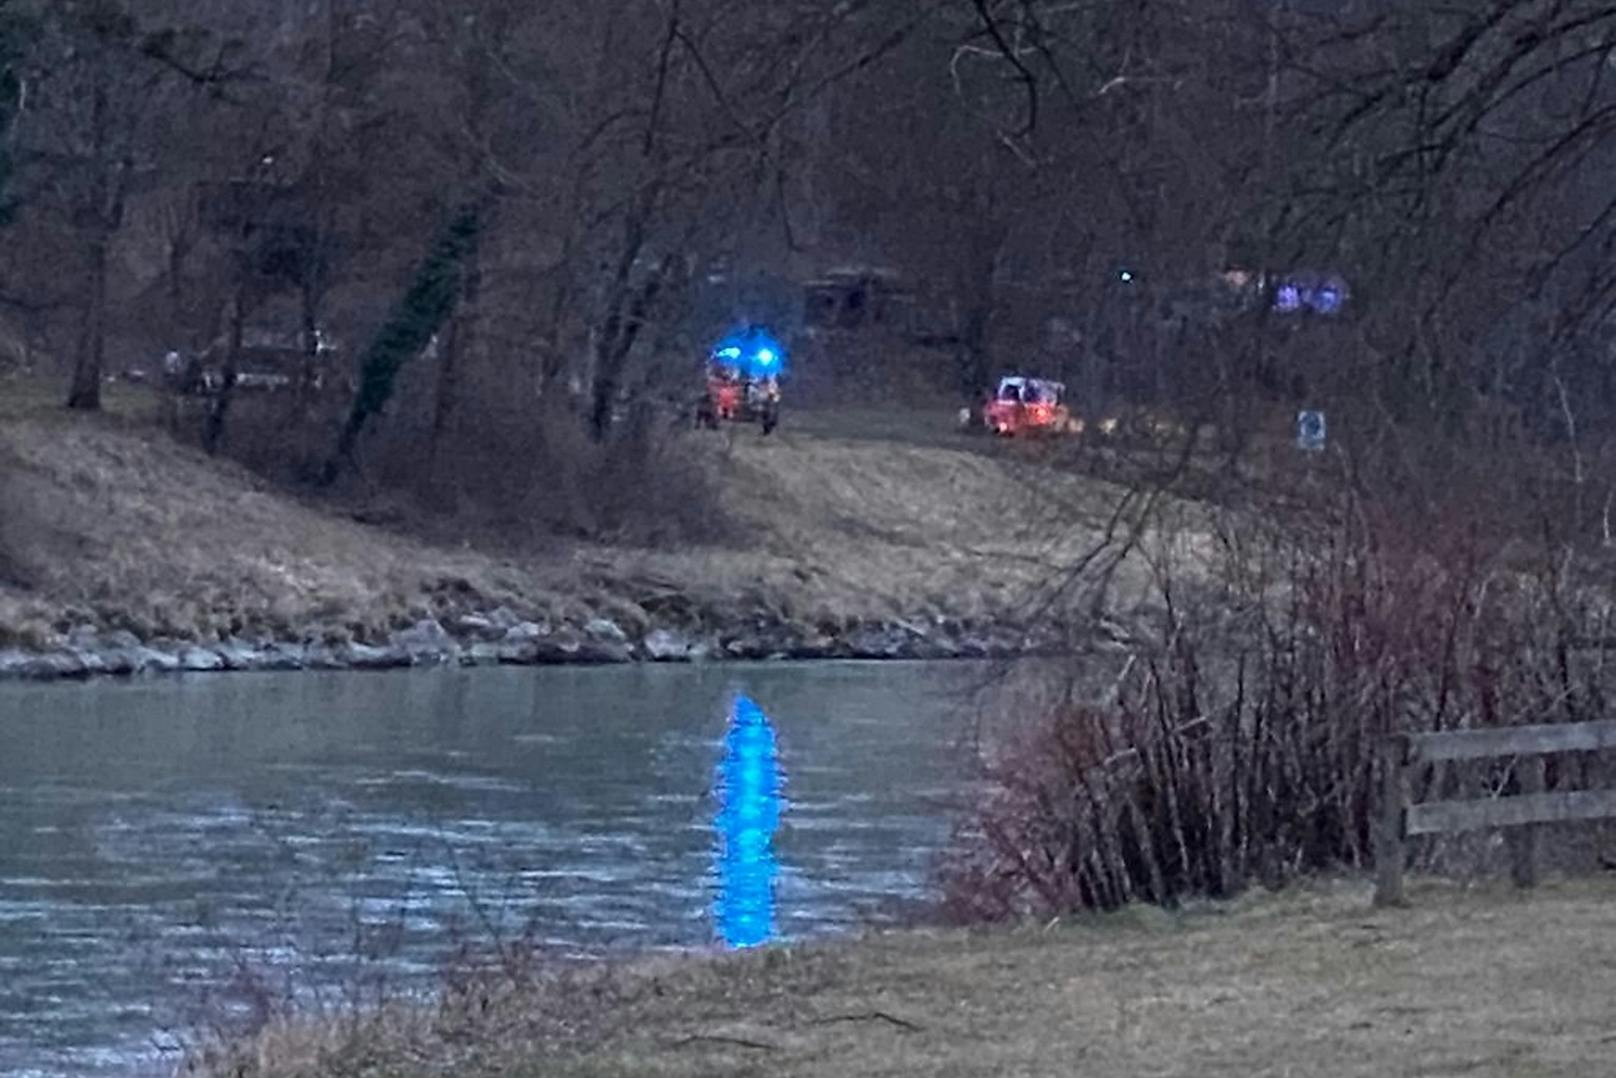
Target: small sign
1310,431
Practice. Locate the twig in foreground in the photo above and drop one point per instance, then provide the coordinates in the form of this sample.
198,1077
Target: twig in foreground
718,1038
871,1016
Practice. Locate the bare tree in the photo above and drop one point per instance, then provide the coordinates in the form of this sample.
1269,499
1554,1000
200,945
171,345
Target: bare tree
94,85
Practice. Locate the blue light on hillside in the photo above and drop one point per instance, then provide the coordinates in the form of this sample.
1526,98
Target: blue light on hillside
753,351
1309,292
750,803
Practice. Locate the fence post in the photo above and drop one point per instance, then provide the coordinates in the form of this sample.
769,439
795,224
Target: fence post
1389,853
1523,839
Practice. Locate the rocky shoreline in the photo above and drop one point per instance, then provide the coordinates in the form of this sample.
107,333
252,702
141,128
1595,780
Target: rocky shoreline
500,637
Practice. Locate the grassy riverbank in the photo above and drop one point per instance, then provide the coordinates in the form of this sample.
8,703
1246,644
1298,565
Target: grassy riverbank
1486,982
109,523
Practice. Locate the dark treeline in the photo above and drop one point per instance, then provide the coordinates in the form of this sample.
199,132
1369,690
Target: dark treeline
492,227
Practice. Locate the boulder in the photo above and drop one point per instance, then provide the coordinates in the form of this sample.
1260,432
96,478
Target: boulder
517,652
561,646
283,656
744,645
323,656
524,632
84,638
119,652
238,654
814,645
605,630
155,660
879,641
122,639
199,660
566,646
43,666
120,662
478,627
604,651
666,646
481,653
370,657
426,642
92,659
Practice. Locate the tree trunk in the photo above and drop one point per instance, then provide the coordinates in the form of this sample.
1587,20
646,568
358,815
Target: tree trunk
176,289
85,394
977,299
213,432
310,340
553,360
312,294
614,354
458,344
462,329
619,328
973,280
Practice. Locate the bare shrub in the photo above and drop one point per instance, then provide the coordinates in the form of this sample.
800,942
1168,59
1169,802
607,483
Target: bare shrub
25,528
1238,744
508,476
12,569
515,474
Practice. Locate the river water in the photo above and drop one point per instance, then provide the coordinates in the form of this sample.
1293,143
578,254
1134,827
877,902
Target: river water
198,846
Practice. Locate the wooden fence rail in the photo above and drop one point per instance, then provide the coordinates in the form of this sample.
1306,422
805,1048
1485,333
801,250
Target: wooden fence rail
1525,812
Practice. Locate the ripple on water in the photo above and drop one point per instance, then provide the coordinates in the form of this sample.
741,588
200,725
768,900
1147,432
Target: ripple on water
400,819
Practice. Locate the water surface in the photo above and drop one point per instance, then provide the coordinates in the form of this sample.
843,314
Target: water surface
177,846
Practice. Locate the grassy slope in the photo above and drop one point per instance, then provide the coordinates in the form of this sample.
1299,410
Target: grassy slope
117,524
1488,983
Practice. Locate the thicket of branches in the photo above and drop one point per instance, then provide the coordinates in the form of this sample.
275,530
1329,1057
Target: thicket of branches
1445,563
489,203
1238,742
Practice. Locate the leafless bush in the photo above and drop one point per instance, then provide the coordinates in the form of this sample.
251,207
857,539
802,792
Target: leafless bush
24,529
1238,744
510,474
323,985
515,473
11,571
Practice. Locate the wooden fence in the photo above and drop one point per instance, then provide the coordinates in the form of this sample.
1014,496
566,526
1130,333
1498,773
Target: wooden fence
1525,811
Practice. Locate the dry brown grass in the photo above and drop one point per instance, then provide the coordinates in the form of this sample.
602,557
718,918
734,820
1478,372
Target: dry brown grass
1484,982
156,537
887,523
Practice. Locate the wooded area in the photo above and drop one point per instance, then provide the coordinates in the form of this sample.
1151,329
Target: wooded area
484,224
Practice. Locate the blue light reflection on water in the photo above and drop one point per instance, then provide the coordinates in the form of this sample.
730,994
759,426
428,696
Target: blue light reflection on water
749,807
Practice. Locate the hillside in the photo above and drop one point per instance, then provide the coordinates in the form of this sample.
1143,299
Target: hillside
838,543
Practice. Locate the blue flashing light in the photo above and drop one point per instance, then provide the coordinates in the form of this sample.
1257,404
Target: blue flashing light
754,352
750,803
